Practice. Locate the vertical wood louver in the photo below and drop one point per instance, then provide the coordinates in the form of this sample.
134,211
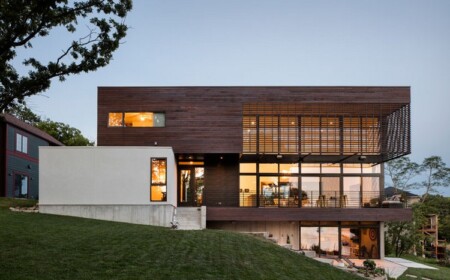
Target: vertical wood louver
378,130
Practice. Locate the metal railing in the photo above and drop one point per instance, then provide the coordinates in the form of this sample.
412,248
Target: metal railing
315,199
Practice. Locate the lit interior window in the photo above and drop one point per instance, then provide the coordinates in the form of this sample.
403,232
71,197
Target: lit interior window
141,119
158,188
115,119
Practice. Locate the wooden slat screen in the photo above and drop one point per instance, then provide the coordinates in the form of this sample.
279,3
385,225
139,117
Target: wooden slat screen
322,129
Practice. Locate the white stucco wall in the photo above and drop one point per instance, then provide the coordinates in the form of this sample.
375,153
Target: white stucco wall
101,175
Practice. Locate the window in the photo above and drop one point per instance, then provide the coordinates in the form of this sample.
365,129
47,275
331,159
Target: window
21,143
115,119
136,119
20,186
158,184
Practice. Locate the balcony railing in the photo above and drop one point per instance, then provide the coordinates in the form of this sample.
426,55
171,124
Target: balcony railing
314,199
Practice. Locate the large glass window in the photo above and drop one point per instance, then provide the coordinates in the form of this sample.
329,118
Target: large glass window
310,168
352,168
291,168
371,191
185,185
357,240
268,168
136,119
350,239
21,143
371,169
330,168
288,191
369,243
329,240
309,237
277,185
310,191
330,194
247,167
269,191
158,184
247,191
352,192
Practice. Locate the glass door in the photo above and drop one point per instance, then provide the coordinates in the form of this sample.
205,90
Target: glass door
191,185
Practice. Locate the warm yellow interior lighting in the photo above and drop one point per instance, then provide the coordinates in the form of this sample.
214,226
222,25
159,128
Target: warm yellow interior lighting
140,119
190,163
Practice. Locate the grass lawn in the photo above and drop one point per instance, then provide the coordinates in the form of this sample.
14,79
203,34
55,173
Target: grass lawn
39,246
441,273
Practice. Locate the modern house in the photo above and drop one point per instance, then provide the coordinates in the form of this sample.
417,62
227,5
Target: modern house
19,158
303,165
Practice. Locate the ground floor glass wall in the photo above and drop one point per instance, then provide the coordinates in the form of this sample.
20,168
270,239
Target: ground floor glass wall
358,240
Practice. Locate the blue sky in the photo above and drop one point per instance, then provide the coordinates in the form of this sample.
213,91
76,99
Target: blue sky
297,43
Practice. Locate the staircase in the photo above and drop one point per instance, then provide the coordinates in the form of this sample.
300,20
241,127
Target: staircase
191,218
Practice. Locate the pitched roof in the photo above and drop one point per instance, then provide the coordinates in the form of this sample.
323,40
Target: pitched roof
7,118
390,191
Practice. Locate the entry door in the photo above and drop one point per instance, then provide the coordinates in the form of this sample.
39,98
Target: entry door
190,186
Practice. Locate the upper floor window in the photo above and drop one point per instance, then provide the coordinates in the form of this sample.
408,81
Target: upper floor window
136,119
21,143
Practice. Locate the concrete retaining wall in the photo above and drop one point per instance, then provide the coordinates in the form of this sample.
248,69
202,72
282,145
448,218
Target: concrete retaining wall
156,215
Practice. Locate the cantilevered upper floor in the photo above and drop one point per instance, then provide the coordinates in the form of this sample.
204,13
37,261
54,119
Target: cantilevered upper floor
303,124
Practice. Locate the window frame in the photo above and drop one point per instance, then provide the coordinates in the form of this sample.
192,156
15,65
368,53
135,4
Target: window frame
158,184
23,146
123,113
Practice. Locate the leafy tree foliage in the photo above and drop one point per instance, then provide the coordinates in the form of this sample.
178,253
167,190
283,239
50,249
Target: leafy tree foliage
401,237
22,21
64,133
402,171
437,175
437,204
24,113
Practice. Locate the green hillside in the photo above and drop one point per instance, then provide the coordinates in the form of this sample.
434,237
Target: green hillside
38,246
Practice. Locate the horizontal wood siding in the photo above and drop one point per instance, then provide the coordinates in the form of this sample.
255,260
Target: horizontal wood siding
302,214
209,119
221,180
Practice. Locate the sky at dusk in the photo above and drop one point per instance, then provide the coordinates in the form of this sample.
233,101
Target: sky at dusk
274,43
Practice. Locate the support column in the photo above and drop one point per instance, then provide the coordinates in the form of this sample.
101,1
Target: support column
381,241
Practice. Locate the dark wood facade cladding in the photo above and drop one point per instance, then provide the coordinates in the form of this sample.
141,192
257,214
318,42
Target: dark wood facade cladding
308,214
209,119
222,180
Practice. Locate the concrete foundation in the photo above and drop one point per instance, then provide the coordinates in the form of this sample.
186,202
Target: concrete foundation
187,218
155,215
